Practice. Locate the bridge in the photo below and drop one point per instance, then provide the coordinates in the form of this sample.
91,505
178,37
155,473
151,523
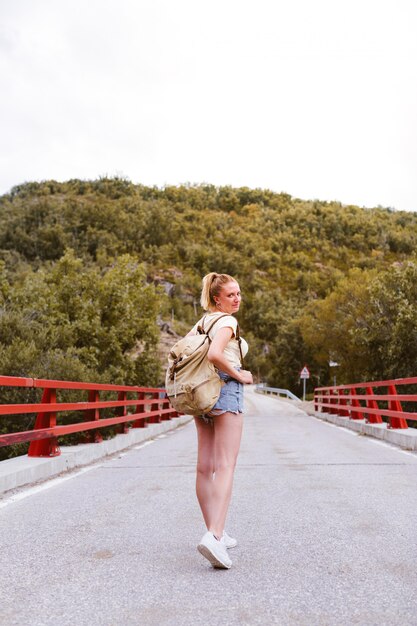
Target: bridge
324,517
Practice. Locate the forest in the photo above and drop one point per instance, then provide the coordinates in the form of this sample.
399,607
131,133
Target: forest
90,271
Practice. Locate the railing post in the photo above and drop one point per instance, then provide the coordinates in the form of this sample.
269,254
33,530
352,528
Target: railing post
121,411
395,405
45,447
155,419
372,418
335,400
326,394
166,416
355,415
140,422
344,412
92,436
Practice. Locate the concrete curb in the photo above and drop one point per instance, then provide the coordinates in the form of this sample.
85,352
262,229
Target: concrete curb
23,470
404,438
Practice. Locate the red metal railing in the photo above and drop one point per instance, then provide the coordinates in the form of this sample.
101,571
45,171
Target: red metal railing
149,406
359,401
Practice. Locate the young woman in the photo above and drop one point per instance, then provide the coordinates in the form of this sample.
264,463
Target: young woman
219,432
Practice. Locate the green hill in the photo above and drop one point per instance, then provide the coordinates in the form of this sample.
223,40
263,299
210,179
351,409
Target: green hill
89,265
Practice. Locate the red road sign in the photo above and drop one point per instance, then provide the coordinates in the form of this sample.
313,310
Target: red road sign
305,372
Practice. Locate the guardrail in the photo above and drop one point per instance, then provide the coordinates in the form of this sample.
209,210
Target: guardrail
150,405
360,401
276,391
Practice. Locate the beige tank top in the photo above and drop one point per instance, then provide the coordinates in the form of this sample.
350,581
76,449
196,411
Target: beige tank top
231,351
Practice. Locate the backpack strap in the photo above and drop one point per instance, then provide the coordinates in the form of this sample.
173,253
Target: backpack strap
215,322
200,327
239,340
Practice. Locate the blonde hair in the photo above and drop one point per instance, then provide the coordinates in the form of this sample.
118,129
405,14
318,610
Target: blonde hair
212,285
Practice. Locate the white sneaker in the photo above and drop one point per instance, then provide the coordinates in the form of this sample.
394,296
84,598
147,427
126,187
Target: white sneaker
214,551
228,542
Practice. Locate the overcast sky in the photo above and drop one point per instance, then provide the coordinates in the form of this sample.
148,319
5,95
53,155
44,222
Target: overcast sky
314,98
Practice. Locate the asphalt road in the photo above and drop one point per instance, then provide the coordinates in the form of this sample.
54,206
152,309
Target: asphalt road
325,519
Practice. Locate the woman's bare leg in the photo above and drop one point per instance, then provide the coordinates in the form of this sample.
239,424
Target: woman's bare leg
227,437
205,468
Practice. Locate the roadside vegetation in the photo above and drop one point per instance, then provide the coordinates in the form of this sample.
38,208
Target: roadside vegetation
90,271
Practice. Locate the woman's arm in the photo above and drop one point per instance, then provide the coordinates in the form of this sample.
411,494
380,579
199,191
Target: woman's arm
216,356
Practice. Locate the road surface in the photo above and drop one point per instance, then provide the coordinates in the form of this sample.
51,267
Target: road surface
325,519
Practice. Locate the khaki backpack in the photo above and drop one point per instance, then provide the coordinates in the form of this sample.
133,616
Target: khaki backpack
192,383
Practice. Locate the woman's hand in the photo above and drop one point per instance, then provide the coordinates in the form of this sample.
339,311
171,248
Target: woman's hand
245,377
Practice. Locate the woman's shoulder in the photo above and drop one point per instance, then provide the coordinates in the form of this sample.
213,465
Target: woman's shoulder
228,317
207,319
221,320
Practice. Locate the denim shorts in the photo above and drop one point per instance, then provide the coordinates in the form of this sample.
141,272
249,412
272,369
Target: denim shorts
230,399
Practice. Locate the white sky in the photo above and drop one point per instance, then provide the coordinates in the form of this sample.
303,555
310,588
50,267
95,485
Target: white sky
314,98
